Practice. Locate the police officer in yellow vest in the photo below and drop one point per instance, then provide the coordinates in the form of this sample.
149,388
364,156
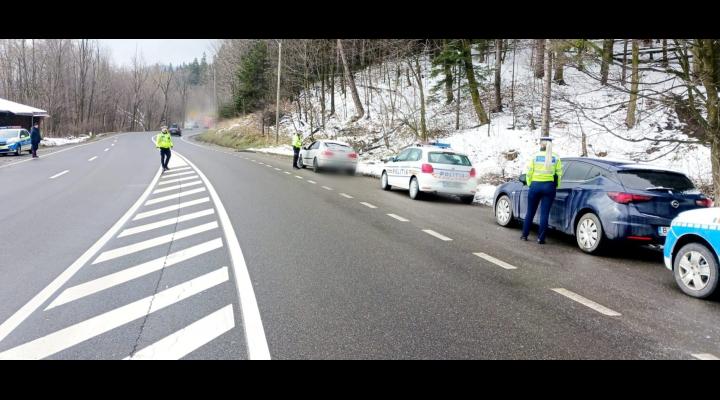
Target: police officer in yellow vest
543,178
164,143
296,144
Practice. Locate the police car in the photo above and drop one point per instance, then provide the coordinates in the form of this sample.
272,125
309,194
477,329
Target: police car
691,251
430,168
14,139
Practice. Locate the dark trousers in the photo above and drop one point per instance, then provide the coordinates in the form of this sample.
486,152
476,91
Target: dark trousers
34,148
542,193
164,157
296,154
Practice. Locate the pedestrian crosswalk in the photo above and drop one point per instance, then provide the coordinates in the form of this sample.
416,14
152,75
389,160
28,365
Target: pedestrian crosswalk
173,248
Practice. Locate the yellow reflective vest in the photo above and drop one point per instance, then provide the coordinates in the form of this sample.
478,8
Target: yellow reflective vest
537,172
297,140
163,141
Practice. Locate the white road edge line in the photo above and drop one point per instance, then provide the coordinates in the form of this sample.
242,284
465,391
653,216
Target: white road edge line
92,158
254,331
190,338
21,315
60,174
437,235
89,328
165,222
587,302
705,356
157,241
399,218
346,195
128,274
367,204
495,261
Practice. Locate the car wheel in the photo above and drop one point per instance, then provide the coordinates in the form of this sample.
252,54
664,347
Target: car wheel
18,151
589,233
503,211
300,162
316,167
384,182
415,193
696,270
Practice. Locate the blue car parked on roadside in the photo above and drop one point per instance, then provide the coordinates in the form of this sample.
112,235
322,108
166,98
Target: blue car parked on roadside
691,251
601,200
14,140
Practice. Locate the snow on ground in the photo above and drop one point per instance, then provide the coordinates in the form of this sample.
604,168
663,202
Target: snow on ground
51,142
499,150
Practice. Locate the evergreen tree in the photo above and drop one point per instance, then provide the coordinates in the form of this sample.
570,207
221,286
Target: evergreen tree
253,82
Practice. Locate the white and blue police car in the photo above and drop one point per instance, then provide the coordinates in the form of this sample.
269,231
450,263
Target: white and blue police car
14,139
691,251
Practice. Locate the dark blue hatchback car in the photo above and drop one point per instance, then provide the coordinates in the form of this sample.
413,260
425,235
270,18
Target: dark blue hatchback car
604,200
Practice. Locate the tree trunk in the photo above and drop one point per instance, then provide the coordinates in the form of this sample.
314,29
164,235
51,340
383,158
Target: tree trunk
706,56
545,126
664,61
630,120
418,77
472,83
559,66
457,99
498,75
448,77
623,78
356,98
539,58
606,60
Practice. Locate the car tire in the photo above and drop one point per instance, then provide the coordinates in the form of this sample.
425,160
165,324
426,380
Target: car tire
589,234
384,182
414,191
18,152
503,211
316,167
696,261
300,162
467,199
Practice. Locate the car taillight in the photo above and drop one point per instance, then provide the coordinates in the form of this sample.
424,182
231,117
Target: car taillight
625,198
472,172
427,168
352,155
327,153
704,202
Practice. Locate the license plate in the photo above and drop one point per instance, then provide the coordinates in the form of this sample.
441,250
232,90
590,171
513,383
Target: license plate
663,230
452,184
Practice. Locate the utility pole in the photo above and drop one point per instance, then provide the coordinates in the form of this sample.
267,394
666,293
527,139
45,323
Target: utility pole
215,88
277,99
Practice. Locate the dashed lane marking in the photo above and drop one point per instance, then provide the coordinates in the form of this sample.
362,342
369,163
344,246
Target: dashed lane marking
587,302
495,261
399,218
437,235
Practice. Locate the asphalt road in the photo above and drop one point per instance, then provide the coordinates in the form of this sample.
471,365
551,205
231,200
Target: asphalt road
304,266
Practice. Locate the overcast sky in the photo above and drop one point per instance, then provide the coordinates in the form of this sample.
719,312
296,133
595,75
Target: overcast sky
164,51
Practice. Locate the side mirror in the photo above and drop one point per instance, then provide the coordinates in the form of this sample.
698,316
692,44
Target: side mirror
522,179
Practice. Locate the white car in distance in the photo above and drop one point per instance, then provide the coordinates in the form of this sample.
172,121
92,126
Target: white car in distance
431,169
328,154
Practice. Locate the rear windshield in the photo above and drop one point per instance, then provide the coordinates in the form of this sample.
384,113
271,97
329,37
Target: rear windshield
337,146
644,180
448,158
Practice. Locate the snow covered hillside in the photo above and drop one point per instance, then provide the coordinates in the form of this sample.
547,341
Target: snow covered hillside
499,150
